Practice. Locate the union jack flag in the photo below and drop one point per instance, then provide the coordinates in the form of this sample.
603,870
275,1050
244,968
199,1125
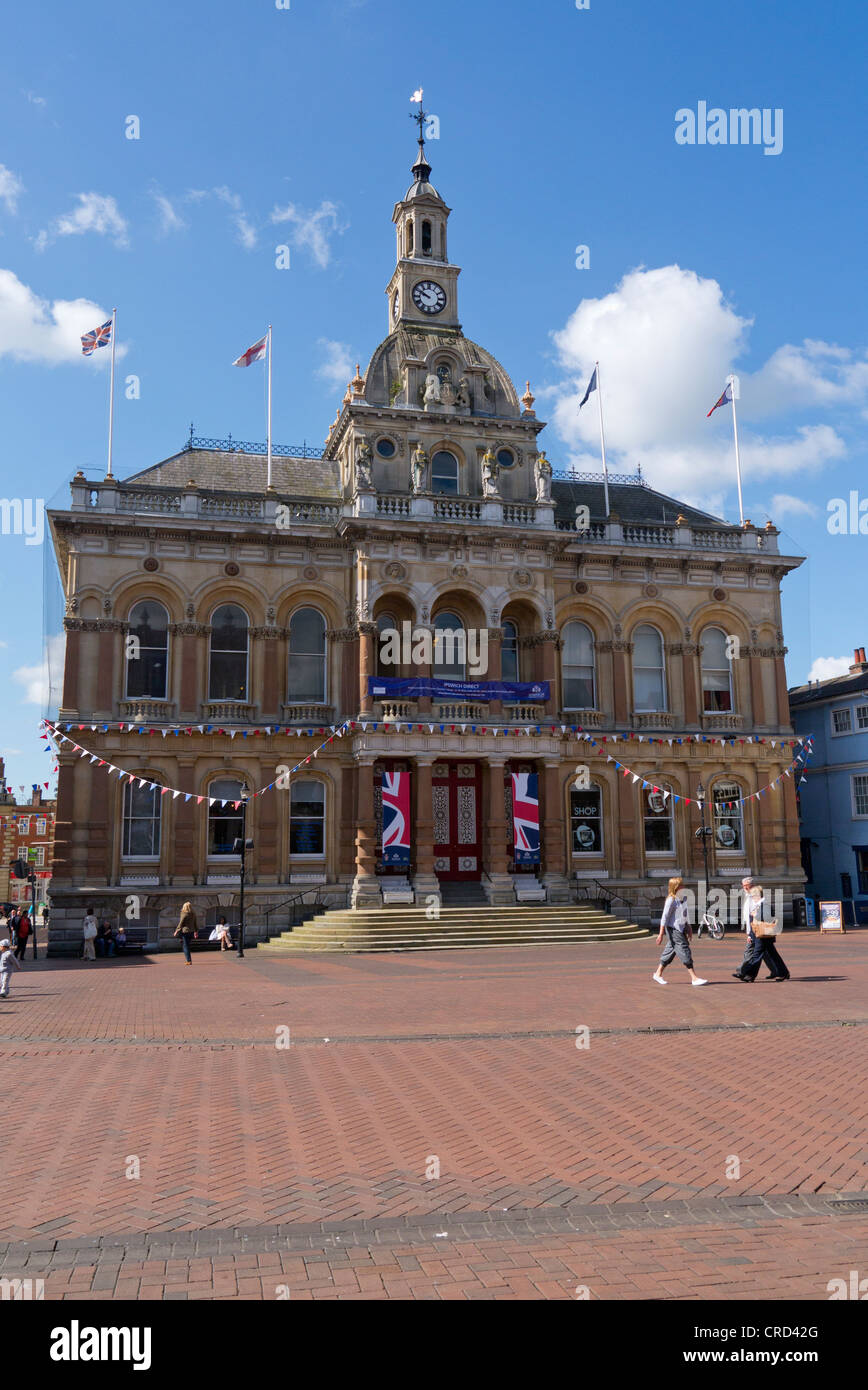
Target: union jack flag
96,338
396,818
525,816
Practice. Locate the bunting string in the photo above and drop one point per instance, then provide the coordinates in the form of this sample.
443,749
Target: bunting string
55,737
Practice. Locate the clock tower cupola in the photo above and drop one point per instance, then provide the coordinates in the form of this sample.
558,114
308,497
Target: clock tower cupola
424,286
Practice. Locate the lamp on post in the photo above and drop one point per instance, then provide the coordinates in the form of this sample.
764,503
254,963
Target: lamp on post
241,846
703,833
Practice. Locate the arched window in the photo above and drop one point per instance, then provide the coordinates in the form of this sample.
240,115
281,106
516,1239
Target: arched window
450,648
577,665
385,645
307,657
509,652
586,820
426,238
148,656
716,672
224,820
307,819
228,671
727,816
444,473
657,809
141,826
649,672
410,237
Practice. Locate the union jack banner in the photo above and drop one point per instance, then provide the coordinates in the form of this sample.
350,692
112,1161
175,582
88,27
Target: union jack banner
96,338
396,819
525,816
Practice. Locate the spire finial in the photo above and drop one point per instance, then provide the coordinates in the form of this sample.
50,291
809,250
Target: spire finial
421,169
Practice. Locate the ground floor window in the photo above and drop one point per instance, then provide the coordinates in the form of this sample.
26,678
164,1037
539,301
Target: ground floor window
728,821
659,830
862,870
141,830
224,821
307,819
586,821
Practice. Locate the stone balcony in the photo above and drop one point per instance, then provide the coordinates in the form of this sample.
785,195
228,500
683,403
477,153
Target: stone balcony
654,719
228,712
146,711
310,714
722,723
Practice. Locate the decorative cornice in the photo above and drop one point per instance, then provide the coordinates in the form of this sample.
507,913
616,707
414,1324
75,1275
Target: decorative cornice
342,634
190,629
270,634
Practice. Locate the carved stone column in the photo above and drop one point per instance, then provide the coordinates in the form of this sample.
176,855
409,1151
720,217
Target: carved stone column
495,669
346,848
267,640
784,721
72,665
180,860
628,834
497,882
345,641
194,677
757,701
366,888
109,635
689,651
367,665
549,646
553,835
425,882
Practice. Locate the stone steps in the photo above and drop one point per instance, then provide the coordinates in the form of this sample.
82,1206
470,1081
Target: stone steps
455,929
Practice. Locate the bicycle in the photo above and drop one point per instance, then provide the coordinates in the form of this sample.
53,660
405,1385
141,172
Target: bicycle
715,928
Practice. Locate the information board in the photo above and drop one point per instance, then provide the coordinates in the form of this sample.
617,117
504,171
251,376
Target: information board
831,917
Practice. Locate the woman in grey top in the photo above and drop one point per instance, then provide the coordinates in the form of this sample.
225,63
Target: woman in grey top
674,925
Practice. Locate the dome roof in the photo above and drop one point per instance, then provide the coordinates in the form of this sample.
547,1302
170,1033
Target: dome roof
416,344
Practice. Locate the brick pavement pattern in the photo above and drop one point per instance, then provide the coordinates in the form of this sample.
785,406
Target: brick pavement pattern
461,1063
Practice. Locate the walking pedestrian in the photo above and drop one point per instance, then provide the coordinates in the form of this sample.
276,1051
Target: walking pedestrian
676,927
90,930
7,964
23,933
764,948
186,928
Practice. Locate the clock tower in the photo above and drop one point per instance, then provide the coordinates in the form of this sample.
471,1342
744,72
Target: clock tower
424,286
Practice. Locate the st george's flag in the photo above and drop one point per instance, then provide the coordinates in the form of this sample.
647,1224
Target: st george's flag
725,399
96,338
253,354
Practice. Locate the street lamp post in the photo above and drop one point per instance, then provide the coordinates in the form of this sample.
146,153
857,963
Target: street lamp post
703,834
241,847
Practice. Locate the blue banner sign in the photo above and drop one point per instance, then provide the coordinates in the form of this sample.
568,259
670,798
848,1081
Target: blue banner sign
420,687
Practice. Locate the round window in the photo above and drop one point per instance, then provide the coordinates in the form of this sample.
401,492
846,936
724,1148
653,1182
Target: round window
505,458
385,448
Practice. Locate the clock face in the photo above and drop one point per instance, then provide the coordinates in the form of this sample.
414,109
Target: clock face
396,304
429,297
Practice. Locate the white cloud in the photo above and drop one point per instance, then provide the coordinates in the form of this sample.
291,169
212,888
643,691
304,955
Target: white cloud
666,340
311,230
41,682
815,374
783,504
39,330
337,368
244,227
825,667
11,188
170,219
96,212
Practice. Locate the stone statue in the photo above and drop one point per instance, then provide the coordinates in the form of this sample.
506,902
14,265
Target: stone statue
419,469
462,399
490,473
364,464
432,389
543,475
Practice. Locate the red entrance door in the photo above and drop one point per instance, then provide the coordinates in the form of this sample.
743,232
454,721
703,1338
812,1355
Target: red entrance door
456,790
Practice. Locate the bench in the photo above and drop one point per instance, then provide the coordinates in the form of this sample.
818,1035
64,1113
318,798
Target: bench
137,941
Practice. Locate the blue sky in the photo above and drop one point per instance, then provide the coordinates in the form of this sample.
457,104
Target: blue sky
262,127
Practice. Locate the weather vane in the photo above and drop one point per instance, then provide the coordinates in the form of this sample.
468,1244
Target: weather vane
420,117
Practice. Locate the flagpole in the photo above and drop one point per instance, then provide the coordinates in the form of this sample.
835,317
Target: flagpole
732,385
602,439
268,408
109,474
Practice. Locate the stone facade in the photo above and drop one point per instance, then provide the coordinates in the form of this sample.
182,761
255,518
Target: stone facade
430,499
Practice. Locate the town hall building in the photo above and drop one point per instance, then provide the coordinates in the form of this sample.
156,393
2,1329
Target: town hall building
220,632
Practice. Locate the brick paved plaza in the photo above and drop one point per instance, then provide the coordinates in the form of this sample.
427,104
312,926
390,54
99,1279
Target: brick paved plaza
310,1169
